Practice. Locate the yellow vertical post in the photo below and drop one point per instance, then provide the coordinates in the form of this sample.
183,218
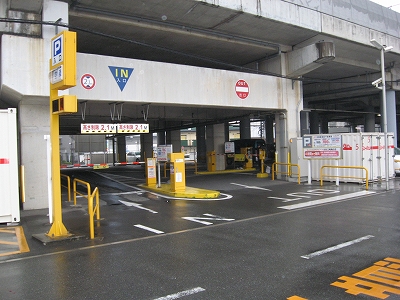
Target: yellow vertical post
57,228
63,76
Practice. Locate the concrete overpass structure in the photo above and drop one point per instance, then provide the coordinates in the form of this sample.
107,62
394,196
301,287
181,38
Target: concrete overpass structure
305,65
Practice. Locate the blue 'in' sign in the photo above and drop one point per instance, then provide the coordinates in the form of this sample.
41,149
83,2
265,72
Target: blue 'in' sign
121,75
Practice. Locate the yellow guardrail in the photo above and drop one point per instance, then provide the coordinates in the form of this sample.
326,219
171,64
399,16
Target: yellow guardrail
92,210
68,186
289,172
341,176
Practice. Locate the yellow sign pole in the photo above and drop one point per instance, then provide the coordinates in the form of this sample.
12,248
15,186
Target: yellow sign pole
63,76
57,228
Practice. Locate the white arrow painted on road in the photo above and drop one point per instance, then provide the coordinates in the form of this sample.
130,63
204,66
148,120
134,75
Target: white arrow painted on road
210,217
137,205
251,187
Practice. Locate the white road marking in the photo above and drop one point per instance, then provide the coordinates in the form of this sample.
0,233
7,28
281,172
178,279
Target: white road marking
148,228
182,294
137,205
211,217
251,187
326,200
124,193
330,249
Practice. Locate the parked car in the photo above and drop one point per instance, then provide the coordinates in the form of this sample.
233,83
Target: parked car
133,157
396,162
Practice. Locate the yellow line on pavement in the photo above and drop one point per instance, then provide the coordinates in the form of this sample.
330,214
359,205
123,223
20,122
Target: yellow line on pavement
7,230
21,240
8,243
23,245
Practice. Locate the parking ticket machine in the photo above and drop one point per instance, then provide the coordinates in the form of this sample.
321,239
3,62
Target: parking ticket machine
177,172
247,151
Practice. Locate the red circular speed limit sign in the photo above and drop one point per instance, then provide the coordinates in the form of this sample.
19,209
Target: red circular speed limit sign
242,89
88,81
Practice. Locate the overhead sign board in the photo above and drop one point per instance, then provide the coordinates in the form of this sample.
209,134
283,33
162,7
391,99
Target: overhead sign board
322,146
93,128
63,61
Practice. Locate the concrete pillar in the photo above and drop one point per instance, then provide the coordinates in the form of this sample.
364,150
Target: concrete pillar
245,132
314,122
391,114
121,148
146,146
281,121
209,138
33,127
304,122
369,119
34,121
174,139
161,138
201,144
219,138
269,130
324,125
226,130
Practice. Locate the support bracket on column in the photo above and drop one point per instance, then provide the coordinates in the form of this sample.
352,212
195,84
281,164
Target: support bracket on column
145,111
82,104
116,111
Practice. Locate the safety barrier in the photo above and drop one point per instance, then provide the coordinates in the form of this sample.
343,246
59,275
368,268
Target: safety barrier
289,172
68,186
186,167
344,167
92,210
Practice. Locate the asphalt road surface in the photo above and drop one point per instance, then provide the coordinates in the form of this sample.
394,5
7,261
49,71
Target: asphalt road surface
261,239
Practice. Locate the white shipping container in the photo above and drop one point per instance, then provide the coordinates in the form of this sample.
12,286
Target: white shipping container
364,149
9,196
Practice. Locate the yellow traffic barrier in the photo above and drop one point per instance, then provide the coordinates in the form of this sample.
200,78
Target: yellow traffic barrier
289,172
344,167
92,210
68,186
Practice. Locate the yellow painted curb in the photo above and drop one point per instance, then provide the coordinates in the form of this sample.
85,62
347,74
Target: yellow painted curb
188,192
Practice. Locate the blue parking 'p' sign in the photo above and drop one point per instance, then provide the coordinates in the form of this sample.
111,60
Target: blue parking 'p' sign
57,50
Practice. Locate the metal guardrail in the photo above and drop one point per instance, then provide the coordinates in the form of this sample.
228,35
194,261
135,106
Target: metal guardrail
92,210
289,172
339,176
68,186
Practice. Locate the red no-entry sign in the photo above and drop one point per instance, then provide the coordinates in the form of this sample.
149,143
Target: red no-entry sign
242,89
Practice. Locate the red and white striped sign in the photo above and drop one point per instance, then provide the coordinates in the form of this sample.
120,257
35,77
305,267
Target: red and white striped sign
242,89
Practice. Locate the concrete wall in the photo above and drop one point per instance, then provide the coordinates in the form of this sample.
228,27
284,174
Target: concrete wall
25,84
163,83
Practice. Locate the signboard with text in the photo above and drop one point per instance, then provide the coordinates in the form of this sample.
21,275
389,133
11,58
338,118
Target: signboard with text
163,151
99,128
322,146
63,61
